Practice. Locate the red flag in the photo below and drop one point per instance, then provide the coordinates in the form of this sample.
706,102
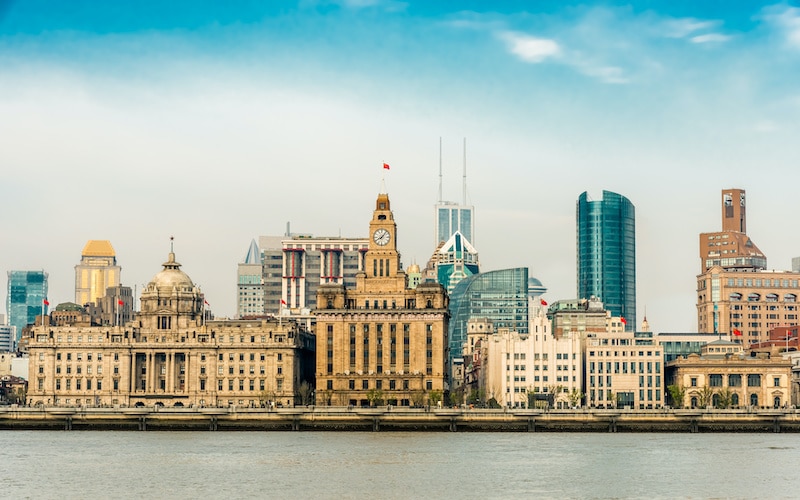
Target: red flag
737,332
623,320
45,302
543,302
386,166
206,303
120,302
283,302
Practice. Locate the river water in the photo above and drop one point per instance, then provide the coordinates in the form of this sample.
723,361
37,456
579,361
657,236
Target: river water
97,464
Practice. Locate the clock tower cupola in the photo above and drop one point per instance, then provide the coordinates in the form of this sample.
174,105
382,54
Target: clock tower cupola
382,259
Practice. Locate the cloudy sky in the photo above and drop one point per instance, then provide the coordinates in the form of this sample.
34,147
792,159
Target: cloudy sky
217,122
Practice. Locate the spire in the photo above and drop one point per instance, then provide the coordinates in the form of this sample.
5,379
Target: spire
253,254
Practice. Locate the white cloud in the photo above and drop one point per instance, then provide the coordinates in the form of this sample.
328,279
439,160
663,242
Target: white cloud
681,28
531,49
710,38
788,21
606,74
766,126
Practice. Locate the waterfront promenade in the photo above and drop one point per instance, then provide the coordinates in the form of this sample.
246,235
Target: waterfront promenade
399,419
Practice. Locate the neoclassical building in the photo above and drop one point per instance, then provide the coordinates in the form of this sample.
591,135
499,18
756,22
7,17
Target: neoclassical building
170,355
381,342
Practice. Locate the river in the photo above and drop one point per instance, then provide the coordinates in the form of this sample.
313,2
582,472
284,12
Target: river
227,465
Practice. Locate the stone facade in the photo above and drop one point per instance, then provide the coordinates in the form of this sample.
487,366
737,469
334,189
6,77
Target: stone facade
381,342
170,355
734,379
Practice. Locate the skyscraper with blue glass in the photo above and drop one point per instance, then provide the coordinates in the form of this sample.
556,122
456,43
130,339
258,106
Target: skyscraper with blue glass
26,299
606,256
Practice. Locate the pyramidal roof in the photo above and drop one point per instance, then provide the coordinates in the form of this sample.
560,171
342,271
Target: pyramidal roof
98,248
457,243
253,254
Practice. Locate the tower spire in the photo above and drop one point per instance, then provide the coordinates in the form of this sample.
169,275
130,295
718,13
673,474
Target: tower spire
440,169
464,188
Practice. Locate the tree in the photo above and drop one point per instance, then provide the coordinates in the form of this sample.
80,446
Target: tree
677,393
575,397
434,397
418,398
555,392
326,395
706,393
266,397
457,396
305,392
375,397
725,398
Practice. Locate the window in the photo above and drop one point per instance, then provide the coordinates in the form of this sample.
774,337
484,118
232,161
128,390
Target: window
754,380
715,380
693,382
735,380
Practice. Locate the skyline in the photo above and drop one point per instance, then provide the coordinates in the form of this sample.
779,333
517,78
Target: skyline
134,123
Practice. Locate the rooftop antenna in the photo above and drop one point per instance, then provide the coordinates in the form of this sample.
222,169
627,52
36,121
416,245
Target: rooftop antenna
440,169
465,172
171,244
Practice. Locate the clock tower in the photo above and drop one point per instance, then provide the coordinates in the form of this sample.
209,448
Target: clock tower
381,342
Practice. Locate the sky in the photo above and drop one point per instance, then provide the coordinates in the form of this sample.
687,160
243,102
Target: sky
218,122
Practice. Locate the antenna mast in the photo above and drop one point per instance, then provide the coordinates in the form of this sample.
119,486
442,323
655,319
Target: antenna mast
440,169
465,173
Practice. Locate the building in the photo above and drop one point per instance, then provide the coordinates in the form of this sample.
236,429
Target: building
97,272
457,260
736,294
680,345
8,335
606,253
724,376
250,284
451,217
27,298
295,265
500,296
170,355
731,248
624,369
381,341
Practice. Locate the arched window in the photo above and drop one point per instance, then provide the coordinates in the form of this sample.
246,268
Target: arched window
753,297
715,400
776,402
735,297
735,400
754,400
694,401
772,297
790,297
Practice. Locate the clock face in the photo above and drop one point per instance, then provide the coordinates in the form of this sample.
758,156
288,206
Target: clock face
381,237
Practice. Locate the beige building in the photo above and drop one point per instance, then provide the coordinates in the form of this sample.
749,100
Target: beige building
736,295
169,355
624,369
97,271
381,341
725,376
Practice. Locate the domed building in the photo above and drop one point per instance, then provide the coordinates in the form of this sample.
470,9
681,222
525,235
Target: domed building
172,354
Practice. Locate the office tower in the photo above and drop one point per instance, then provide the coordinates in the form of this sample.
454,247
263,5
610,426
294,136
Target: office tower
97,271
500,296
295,265
450,216
606,253
731,248
250,284
736,295
457,260
27,298
381,342
7,335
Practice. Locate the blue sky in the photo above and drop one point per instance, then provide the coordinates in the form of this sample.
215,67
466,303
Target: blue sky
217,122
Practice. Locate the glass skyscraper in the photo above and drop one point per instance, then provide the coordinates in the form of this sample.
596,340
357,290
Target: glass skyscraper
27,291
500,296
452,217
606,238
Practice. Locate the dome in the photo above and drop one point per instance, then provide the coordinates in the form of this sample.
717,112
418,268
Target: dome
171,276
535,287
413,269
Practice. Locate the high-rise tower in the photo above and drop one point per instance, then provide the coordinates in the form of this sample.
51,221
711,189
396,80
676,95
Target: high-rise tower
27,298
731,248
606,253
97,271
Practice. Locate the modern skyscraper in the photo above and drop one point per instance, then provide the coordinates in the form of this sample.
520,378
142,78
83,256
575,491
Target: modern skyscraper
500,296
457,260
250,284
97,271
27,298
606,253
450,216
